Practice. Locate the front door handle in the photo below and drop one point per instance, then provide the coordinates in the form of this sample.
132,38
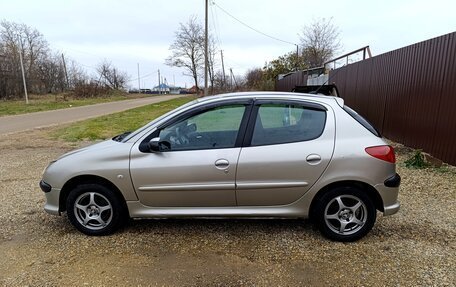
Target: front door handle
313,159
222,164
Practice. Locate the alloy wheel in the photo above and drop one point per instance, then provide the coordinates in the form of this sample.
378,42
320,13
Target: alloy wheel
93,210
345,214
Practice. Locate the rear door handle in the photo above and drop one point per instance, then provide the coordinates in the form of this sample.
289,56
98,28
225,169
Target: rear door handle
222,163
313,159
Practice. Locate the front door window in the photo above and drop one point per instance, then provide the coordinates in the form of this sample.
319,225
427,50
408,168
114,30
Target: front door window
212,129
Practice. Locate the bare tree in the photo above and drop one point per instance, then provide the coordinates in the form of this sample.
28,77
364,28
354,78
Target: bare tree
110,76
186,48
19,38
218,84
51,73
320,41
35,46
76,75
212,62
44,69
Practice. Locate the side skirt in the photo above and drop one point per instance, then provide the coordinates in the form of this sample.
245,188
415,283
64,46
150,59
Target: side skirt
138,210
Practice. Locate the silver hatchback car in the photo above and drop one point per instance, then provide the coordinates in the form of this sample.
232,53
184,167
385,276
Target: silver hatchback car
262,154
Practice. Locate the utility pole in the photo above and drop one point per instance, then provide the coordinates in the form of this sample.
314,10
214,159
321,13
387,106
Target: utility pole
174,81
164,83
66,73
205,53
139,81
223,70
23,74
159,89
297,57
233,78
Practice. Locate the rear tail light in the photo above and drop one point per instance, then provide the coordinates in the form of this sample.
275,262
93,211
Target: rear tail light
383,152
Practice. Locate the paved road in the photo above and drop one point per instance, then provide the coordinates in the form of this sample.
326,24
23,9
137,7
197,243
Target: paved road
17,123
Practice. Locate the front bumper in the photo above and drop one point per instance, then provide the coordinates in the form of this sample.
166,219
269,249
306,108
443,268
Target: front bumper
52,201
45,187
52,198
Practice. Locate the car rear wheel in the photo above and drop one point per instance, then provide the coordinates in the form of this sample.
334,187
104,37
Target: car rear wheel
94,209
345,214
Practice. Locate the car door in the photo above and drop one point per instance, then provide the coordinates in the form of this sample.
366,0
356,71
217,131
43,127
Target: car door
197,166
289,146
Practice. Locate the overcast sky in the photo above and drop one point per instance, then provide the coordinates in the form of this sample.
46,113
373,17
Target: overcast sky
141,31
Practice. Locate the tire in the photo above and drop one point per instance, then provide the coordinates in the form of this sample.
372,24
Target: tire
95,210
345,214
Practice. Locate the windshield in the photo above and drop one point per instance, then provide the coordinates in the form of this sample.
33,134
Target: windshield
132,134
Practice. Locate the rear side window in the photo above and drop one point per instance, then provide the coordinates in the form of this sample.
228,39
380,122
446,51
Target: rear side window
287,123
362,121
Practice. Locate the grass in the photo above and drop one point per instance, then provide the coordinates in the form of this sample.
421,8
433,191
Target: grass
446,169
416,160
54,102
108,126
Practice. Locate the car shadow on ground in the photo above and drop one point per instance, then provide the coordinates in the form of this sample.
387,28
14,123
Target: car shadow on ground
219,224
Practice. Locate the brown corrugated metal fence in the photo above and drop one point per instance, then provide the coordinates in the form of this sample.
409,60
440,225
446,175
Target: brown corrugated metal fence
290,81
409,94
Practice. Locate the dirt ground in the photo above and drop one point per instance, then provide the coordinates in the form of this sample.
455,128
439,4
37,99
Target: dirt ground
415,247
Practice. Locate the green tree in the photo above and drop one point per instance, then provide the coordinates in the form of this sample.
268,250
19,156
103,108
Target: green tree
282,65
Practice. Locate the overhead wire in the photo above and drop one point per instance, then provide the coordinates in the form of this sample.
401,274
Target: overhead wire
216,26
250,27
143,76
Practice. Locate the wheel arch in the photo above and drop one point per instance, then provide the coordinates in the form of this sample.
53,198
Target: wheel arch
88,179
370,191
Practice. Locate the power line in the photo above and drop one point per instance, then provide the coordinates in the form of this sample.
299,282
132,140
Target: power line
142,77
215,25
236,64
250,27
92,67
65,49
216,28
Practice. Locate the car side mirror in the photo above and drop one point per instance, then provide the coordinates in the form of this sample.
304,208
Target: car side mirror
191,128
155,145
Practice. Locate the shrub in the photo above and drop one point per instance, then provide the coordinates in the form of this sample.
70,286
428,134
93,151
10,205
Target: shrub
90,90
417,160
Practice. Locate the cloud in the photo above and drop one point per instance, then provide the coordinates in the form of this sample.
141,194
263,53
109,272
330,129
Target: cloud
131,32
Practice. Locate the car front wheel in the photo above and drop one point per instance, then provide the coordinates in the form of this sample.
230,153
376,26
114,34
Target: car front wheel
345,214
94,209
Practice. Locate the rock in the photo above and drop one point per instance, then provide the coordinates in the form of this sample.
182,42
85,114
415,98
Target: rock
432,161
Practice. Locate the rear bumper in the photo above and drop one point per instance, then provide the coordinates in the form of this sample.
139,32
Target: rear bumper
393,181
389,191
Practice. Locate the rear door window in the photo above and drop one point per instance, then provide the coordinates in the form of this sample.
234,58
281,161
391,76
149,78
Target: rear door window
286,123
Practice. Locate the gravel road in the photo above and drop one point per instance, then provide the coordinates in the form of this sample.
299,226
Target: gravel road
415,247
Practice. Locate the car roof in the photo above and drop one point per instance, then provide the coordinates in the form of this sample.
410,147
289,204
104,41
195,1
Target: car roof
276,95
